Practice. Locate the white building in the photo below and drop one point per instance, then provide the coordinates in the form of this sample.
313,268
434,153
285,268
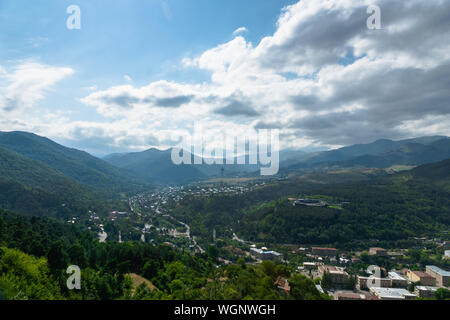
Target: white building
392,294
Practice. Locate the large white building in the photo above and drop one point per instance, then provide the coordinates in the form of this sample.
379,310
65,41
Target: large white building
442,277
392,294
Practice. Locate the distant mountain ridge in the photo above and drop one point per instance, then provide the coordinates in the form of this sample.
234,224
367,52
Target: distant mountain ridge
380,154
156,166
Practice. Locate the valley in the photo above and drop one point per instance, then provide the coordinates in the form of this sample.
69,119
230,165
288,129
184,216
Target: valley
224,223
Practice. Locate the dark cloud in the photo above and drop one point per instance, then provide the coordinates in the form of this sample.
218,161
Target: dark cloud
419,30
237,108
268,125
9,105
388,99
173,102
124,100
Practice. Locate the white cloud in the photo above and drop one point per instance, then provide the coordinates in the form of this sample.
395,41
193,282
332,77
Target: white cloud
240,30
322,77
28,84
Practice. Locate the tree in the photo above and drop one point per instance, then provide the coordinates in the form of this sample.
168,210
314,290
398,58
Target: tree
213,252
77,255
326,283
442,294
2,230
57,257
150,269
303,288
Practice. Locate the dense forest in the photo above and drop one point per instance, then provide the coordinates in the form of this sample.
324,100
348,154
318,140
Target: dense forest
35,252
390,208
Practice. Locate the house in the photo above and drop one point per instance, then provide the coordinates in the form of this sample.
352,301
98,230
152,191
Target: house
379,252
324,252
356,260
425,291
419,276
310,265
265,255
272,255
368,282
353,296
447,254
283,284
337,275
442,277
397,280
392,293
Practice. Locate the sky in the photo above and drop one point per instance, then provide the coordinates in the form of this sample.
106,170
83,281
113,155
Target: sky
140,74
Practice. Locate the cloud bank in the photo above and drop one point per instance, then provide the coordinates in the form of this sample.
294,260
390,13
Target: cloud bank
322,78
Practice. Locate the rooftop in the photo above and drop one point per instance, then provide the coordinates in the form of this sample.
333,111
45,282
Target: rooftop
426,288
421,274
393,293
439,271
395,276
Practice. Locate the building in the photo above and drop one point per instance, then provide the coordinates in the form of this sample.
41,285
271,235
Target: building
392,294
310,265
419,276
283,285
324,252
310,203
256,252
353,296
265,255
271,255
447,254
337,275
397,280
319,288
442,277
379,252
368,282
425,291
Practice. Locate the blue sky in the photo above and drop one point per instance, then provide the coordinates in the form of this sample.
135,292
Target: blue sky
143,39
140,71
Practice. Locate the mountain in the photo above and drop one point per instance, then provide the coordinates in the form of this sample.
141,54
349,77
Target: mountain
379,154
156,166
78,165
437,174
31,187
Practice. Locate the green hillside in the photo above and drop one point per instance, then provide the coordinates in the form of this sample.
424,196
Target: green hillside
387,208
35,252
78,165
30,187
